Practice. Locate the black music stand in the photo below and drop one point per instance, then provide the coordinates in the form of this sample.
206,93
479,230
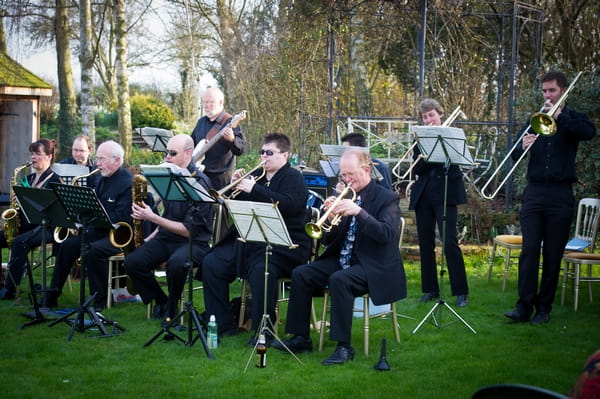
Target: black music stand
171,187
84,209
261,222
156,138
446,145
42,207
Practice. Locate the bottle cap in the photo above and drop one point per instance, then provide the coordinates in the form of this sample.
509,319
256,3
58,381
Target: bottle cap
212,318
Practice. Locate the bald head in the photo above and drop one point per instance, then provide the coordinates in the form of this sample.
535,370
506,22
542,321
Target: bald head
179,150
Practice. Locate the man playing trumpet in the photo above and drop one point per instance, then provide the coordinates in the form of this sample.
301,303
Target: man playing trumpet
170,240
361,256
114,192
281,185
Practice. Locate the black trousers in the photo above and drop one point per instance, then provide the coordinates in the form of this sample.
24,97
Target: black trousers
429,214
545,216
21,245
99,249
220,267
140,264
344,285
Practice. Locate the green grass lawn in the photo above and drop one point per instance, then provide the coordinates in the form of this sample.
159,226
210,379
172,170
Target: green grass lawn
447,362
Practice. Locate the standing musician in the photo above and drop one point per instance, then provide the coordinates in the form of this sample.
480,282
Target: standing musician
170,240
29,235
114,192
361,256
219,161
281,185
427,200
548,203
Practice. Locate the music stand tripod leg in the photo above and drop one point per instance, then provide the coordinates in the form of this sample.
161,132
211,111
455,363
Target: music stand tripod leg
193,317
266,325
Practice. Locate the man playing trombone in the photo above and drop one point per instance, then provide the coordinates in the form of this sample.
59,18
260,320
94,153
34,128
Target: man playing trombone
169,241
229,258
114,192
548,202
361,256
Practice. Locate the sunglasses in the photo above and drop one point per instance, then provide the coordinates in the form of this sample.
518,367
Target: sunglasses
269,153
172,153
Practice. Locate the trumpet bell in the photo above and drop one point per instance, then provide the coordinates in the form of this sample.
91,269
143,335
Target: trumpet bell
313,230
543,124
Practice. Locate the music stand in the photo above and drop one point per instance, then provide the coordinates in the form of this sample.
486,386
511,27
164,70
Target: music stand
332,154
448,146
261,222
171,187
68,171
156,138
42,207
84,209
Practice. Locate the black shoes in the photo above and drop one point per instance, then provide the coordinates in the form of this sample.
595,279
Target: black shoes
296,344
517,316
160,311
429,296
462,301
6,294
340,356
540,318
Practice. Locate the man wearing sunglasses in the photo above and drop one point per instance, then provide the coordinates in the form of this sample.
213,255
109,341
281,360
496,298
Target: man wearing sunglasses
230,258
170,240
219,160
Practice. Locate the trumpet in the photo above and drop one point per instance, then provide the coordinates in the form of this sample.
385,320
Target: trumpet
62,233
220,194
542,124
315,230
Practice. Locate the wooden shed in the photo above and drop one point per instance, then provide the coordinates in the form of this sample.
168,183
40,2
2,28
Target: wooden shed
20,93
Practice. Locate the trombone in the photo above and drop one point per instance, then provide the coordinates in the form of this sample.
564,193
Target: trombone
451,118
542,123
220,194
315,230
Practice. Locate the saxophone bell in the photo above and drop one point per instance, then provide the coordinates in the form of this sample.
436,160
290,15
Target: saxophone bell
121,235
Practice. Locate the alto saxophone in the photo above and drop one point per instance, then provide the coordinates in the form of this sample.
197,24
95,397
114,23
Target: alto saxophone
139,192
11,215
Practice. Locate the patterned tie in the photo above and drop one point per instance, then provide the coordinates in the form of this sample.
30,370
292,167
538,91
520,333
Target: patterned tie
346,252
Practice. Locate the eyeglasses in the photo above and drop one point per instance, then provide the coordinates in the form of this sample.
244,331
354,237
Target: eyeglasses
269,153
172,153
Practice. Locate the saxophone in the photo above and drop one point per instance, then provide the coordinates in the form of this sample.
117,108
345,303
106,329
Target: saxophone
62,233
139,192
11,215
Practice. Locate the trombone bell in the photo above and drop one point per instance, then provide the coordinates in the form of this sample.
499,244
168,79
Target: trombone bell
543,124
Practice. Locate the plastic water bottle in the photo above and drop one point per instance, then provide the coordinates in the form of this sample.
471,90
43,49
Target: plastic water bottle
212,336
261,351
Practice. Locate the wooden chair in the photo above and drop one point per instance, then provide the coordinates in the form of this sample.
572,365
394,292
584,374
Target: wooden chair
364,310
503,247
586,229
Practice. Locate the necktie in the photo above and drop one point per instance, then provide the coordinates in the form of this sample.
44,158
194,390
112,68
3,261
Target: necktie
346,252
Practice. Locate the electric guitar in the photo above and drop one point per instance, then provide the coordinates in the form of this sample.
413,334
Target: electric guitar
204,145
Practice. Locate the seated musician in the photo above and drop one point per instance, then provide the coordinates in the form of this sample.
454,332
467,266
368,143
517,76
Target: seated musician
170,240
114,192
28,235
358,140
361,256
230,258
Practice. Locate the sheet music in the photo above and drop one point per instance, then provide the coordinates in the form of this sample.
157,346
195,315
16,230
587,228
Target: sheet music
68,171
334,152
156,138
245,215
159,177
435,141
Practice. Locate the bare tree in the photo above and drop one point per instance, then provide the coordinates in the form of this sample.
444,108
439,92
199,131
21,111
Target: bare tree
124,108
86,60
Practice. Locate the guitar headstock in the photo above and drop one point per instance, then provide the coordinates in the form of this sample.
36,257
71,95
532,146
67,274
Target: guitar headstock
235,121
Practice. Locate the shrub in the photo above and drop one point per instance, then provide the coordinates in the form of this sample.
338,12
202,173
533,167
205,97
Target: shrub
148,111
